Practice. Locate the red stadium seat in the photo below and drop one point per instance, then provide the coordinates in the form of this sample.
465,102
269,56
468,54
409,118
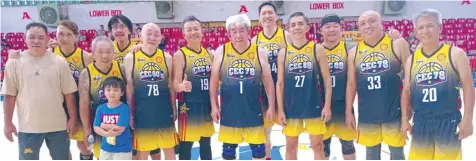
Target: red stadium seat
166,31
218,34
221,29
310,36
221,40
461,20
3,35
10,41
19,35
20,40
461,37
257,28
207,34
10,35
83,32
451,37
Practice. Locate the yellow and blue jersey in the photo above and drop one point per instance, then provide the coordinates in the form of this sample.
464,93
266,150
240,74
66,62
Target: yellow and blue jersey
75,61
302,85
197,67
121,54
272,44
378,72
241,77
337,59
96,77
153,108
434,82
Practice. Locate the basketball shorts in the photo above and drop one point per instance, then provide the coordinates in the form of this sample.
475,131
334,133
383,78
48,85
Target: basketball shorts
314,126
195,121
151,139
237,135
371,134
336,126
435,138
79,135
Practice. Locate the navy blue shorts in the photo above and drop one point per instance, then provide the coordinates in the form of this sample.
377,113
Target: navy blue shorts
30,145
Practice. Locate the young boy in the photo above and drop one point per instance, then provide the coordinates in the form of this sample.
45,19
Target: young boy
112,122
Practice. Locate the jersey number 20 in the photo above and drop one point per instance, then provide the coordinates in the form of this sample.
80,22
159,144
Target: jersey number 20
429,95
153,89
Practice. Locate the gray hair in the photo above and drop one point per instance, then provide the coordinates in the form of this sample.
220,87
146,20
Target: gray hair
297,14
98,39
430,12
238,19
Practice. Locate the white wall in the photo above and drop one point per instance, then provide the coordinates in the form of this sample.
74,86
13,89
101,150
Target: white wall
144,12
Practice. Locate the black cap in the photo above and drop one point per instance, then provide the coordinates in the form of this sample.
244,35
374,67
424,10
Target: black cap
331,17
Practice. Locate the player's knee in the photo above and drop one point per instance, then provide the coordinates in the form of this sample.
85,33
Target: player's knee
229,151
317,145
258,150
347,147
327,147
291,144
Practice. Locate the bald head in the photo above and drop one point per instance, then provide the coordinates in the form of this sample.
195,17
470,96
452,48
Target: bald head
151,34
370,13
370,25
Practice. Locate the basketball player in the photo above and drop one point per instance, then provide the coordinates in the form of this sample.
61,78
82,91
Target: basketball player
336,51
90,89
435,72
374,71
301,67
150,93
272,38
241,66
192,74
121,29
67,33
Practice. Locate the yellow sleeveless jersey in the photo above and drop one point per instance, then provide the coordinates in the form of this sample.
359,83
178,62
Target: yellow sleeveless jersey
434,82
197,67
121,54
96,77
151,90
378,72
272,44
241,76
75,60
337,58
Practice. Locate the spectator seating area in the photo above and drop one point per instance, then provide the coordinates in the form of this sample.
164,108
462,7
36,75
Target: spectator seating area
460,32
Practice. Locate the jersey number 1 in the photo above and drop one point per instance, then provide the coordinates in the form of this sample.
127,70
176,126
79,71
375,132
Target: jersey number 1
153,89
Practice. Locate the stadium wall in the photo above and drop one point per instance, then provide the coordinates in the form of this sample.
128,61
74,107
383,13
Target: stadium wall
90,16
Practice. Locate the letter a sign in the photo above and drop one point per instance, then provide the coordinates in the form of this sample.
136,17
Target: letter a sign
243,9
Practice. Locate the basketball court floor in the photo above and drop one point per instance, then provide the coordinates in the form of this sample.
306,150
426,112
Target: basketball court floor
10,150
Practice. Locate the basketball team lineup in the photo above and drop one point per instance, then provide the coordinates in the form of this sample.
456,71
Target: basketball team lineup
126,101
